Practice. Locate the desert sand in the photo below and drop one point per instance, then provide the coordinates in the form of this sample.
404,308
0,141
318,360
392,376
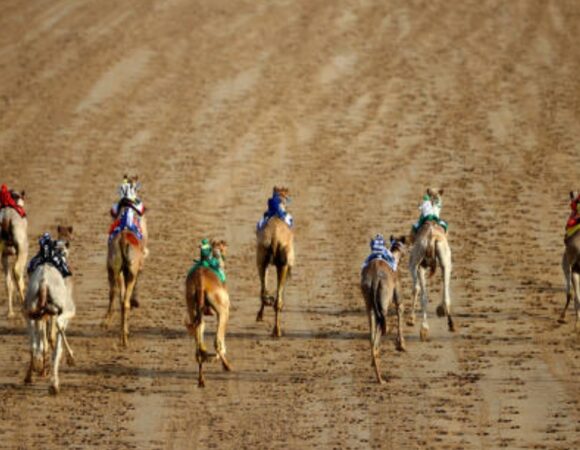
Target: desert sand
357,106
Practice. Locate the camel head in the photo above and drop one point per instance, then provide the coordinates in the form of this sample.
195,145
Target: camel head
435,194
219,248
64,234
398,244
573,195
18,197
283,193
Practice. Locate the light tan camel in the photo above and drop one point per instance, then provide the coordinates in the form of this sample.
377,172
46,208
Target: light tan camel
48,309
14,250
571,268
430,247
125,257
380,287
275,246
203,290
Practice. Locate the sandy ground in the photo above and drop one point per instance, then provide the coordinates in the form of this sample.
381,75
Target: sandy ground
357,106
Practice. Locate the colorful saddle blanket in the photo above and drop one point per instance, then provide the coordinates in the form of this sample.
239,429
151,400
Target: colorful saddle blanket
213,264
431,218
129,220
286,217
572,226
384,255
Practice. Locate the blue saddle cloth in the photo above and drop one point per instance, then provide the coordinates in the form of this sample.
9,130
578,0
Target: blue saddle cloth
286,217
384,255
127,221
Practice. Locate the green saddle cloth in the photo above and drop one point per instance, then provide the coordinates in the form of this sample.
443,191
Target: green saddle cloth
212,264
432,218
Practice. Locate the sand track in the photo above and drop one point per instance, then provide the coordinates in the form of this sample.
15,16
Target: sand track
357,107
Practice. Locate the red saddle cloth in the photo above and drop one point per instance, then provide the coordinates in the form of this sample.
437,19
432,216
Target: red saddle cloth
7,201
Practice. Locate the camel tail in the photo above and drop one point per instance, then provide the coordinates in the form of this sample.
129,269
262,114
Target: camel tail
376,291
432,258
199,298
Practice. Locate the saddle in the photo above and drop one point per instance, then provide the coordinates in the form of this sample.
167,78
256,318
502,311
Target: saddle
128,221
282,215
210,263
50,254
384,255
572,227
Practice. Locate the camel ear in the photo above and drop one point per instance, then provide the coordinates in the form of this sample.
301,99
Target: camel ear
59,229
391,238
70,229
403,239
429,192
23,194
571,195
440,191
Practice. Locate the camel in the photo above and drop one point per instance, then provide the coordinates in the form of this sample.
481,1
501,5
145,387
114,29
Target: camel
14,250
203,290
430,247
49,307
571,268
275,246
125,258
380,287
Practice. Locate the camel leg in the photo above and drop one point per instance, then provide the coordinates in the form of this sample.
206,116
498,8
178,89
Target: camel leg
9,284
415,295
113,282
400,343
130,284
200,351
567,275
375,340
34,349
43,324
263,272
424,332
18,272
444,308
56,357
576,285
279,304
223,312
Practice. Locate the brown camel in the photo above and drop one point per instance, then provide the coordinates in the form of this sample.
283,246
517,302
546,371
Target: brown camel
430,247
275,246
126,254
571,268
204,290
380,287
14,250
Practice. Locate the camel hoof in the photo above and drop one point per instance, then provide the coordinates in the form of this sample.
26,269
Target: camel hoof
401,347
71,361
424,334
10,315
562,320
28,378
201,383
134,303
227,366
277,333
53,390
260,317
451,326
440,311
381,381
410,322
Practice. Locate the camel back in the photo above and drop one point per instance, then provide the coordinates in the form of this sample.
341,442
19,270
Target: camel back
276,240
